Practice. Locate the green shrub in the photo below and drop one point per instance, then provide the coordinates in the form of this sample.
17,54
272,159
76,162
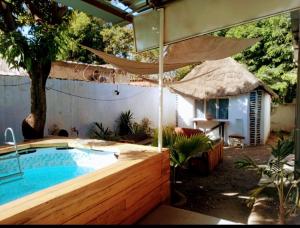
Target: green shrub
187,147
181,147
278,177
98,131
125,123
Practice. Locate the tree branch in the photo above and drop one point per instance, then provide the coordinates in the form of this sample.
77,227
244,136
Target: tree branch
36,13
3,27
57,13
6,13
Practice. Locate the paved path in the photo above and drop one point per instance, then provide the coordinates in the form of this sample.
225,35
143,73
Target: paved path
167,215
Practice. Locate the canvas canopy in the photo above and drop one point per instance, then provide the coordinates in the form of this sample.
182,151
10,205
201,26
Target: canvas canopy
192,51
218,78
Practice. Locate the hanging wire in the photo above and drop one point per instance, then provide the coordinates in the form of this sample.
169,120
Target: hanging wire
20,84
95,99
74,95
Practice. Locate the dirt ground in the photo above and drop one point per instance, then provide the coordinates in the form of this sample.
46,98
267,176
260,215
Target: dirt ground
223,193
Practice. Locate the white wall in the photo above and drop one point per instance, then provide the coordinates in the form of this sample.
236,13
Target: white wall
266,116
238,109
185,111
68,111
239,116
14,104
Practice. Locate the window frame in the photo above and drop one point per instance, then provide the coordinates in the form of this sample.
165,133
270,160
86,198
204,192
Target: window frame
217,108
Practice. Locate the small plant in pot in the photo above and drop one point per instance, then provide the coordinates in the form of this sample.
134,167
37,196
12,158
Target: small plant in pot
182,148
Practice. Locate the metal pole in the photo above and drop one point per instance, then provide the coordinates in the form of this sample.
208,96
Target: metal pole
161,71
297,121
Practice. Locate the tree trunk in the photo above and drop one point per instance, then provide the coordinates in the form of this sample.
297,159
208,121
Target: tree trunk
281,214
33,125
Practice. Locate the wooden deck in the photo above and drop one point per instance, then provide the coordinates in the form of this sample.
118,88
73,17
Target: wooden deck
121,193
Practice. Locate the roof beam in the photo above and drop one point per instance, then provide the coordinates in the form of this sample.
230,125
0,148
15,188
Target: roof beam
109,9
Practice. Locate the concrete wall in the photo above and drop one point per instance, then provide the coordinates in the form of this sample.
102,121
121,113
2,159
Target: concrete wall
283,117
185,111
68,111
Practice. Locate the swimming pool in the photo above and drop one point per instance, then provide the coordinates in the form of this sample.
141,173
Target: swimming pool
46,167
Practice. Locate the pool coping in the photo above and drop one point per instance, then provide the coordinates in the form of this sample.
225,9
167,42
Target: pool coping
129,155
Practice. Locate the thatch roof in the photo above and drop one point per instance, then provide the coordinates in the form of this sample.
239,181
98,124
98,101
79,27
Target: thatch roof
218,78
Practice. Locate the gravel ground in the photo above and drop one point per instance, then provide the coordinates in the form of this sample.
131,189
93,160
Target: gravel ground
223,193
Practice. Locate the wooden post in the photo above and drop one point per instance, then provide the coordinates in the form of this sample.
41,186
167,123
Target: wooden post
161,71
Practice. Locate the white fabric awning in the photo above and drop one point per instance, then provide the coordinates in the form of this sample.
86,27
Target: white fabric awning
192,51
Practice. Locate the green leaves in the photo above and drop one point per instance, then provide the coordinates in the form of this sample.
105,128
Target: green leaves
271,59
118,40
187,147
98,131
125,123
278,176
182,148
284,148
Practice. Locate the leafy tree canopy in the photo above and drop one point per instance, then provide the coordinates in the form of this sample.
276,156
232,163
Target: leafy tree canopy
31,31
95,33
270,59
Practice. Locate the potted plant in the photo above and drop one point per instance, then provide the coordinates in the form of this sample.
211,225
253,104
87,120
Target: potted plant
278,177
182,148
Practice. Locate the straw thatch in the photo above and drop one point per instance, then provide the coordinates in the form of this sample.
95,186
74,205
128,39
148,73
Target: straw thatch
219,78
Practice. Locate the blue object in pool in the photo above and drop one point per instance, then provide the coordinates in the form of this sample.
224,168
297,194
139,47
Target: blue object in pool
48,167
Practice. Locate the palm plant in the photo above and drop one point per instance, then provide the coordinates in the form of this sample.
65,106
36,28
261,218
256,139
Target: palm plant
181,147
278,176
187,147
98,131
125,123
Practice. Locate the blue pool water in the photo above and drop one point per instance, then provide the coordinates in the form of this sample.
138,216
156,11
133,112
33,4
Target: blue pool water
48,167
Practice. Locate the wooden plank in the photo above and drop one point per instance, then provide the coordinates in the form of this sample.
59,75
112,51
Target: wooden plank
129,206
123,194
66,201
49,207
144,207
89,198
165,192
109,217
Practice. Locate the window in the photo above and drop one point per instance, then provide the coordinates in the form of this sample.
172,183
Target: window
199,105
223,109
212,108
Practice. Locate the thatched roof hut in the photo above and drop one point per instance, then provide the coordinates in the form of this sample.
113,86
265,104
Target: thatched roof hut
219,78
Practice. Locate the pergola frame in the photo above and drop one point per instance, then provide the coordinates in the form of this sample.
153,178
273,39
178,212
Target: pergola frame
139,6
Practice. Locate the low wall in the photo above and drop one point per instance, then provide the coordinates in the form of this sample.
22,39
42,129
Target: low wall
283,117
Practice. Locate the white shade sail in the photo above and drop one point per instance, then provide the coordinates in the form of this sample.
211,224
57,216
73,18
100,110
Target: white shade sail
192,51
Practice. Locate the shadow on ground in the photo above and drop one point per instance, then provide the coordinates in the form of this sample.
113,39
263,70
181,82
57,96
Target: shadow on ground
223,193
